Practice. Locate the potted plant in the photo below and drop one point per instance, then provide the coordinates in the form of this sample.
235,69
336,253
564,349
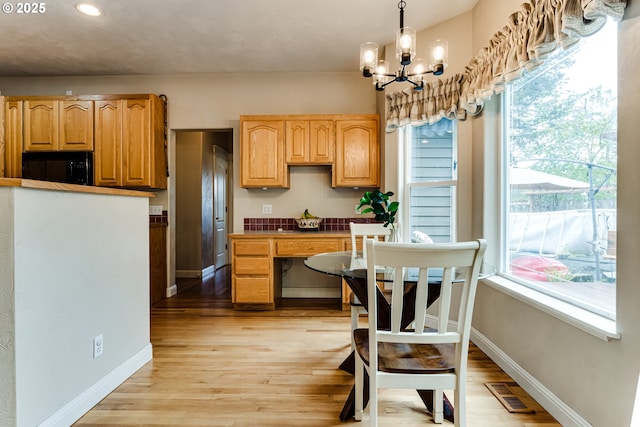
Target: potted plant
383,209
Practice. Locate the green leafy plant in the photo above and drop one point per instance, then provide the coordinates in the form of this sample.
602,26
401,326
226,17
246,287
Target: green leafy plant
379,203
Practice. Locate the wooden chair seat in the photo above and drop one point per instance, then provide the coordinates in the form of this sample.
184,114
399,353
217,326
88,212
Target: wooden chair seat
422,358
406,358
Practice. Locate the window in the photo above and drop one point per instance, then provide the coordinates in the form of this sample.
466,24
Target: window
559,169
429,180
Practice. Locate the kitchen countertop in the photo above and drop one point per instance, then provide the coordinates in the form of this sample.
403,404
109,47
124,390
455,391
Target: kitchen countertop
58,186
291,233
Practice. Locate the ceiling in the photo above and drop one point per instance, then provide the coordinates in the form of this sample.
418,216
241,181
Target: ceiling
205,36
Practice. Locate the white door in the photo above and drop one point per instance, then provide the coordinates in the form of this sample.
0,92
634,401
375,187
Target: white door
220,168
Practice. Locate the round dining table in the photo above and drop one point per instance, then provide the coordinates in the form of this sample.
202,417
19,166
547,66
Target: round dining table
354,271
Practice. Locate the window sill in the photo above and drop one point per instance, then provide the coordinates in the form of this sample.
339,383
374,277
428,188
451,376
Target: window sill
598,326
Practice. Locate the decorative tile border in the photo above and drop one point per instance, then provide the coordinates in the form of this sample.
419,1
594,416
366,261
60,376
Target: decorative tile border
289,224
156,219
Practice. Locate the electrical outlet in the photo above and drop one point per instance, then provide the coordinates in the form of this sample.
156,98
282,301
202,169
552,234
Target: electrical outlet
155,209
267,209
98,346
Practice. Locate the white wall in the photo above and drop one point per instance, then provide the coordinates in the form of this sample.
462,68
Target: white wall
81,268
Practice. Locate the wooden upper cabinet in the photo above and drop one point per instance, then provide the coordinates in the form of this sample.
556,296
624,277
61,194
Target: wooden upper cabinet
321,141
107,159
296,136
349,143
41,125
58,125
357,162
130,146
75,125
309,141
136,137
262,154
13,139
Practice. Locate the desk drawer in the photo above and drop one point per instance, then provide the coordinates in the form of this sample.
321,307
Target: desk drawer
306,247
251,290
251,265
251,247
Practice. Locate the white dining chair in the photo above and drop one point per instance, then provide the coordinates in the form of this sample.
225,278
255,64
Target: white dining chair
359,233
422,358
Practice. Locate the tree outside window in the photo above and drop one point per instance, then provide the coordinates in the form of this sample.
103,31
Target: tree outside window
560,164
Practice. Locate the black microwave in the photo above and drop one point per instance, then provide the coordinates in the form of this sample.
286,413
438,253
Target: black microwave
72,167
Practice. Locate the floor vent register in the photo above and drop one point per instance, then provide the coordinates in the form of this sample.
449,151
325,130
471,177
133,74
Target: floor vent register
505,394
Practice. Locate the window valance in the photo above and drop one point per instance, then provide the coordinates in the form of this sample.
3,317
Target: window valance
538,28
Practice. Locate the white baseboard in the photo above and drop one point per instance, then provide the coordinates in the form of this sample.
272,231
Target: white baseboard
196,274
172,290
549,401
79,406
209,271
189,274
311,292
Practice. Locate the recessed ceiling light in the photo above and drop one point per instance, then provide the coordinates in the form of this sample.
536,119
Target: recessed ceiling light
88,9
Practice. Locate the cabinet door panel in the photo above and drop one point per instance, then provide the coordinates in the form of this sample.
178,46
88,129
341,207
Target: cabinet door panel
297,141
262,154
252,290
41,125
136,140
259,247
321,141
76,125
13,139
252,265
108,143
357,154
306,247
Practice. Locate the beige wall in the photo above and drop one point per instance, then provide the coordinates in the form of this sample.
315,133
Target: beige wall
456,32
188,202
596,379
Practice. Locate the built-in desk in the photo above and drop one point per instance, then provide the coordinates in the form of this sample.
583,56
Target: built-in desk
255,259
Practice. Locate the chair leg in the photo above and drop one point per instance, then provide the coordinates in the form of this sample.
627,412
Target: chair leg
438,406
459,409
373,403
354,324
359,388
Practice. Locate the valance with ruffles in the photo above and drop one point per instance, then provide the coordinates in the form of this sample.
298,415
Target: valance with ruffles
537,29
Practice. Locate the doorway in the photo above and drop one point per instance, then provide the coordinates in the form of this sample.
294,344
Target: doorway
203,165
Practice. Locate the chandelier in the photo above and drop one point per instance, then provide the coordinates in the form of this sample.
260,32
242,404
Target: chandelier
410,71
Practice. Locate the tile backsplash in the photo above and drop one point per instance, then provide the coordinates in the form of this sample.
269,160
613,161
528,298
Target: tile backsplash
159,219
289,224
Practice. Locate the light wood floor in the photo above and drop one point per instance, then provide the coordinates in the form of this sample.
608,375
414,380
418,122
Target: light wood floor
213,366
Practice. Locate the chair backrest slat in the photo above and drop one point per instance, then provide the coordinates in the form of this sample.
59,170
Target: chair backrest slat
460,267
360,232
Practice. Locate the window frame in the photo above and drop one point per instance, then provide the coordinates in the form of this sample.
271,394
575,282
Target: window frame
496,214
405,183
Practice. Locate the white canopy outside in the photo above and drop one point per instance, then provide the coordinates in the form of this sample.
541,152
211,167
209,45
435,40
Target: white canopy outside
532,181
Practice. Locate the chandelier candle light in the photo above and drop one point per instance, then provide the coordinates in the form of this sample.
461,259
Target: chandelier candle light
405,52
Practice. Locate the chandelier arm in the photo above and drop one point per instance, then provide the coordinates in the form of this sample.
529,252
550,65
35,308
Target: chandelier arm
418,86
420,74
